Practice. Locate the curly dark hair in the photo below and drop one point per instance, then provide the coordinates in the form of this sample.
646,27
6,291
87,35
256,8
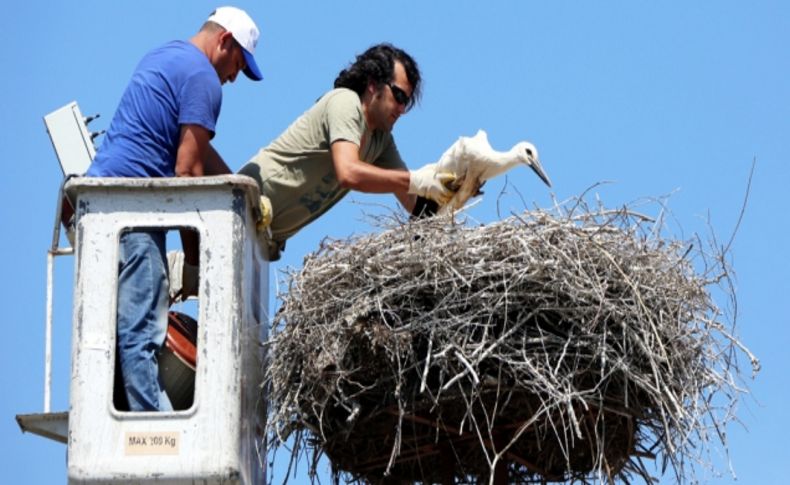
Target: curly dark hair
377,64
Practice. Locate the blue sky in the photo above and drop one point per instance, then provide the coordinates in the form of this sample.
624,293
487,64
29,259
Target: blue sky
657,97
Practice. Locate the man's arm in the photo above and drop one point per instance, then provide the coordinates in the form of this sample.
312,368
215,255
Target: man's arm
192,148
353,173
196,157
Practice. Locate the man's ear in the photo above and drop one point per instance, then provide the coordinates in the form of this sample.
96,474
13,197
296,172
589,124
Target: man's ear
226,40
370,92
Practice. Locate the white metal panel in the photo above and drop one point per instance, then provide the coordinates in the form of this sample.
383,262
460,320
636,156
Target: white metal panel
70,138
216,440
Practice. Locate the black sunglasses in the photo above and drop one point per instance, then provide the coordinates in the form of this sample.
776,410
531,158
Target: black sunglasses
400,95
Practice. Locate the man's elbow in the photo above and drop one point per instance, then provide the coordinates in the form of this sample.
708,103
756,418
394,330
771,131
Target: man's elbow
348,180
184,173
187,169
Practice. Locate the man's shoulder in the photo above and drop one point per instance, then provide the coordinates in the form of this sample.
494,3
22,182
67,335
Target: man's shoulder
340,105
177,47
177,55
178,63
343,96
333,106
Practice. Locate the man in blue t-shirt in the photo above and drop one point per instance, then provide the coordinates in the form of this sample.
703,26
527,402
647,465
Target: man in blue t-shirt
162,128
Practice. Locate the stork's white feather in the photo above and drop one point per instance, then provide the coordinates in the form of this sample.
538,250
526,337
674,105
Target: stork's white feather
473,161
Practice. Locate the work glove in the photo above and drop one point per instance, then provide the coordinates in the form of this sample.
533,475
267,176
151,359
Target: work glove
183,277
266,214
175,263
427,182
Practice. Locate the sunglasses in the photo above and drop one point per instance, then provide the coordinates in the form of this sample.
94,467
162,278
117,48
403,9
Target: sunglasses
400,95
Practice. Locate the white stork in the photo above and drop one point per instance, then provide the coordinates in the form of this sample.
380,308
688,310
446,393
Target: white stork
473,161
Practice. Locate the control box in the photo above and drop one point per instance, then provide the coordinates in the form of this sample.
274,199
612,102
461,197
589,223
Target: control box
71,139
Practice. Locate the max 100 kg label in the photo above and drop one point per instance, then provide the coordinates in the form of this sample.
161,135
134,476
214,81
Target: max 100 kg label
163,443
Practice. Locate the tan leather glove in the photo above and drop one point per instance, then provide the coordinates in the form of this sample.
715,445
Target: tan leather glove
427,182
266,214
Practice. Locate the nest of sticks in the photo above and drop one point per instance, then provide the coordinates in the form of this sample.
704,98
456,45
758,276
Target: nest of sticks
562,345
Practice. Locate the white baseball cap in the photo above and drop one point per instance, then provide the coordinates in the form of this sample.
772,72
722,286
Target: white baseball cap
237,22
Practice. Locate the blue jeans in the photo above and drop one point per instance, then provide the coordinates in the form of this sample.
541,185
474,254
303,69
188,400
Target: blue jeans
142,318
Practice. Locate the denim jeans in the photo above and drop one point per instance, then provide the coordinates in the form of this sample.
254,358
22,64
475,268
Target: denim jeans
142,317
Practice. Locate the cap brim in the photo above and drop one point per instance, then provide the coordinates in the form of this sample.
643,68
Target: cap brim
251,71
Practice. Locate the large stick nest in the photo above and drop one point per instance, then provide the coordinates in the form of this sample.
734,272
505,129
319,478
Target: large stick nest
562,345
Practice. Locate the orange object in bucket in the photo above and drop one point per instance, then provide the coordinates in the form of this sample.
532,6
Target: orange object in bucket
178,359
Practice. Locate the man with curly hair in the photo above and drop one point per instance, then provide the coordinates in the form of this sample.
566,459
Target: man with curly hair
344,142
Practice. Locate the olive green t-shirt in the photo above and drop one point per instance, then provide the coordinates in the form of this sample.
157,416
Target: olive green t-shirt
296,171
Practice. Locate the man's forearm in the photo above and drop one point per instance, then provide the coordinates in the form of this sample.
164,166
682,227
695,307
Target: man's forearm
354,174
365,177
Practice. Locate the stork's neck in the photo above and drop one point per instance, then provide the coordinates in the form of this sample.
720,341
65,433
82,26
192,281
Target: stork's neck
512,157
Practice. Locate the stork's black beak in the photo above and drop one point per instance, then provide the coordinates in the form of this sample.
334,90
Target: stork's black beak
538,168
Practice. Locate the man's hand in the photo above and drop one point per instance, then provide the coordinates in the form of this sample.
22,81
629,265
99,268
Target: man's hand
427,182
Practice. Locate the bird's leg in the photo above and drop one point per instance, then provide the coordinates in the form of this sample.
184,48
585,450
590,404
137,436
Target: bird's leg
469,188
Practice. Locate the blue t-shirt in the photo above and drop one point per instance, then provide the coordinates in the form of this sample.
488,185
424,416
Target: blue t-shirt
172,86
